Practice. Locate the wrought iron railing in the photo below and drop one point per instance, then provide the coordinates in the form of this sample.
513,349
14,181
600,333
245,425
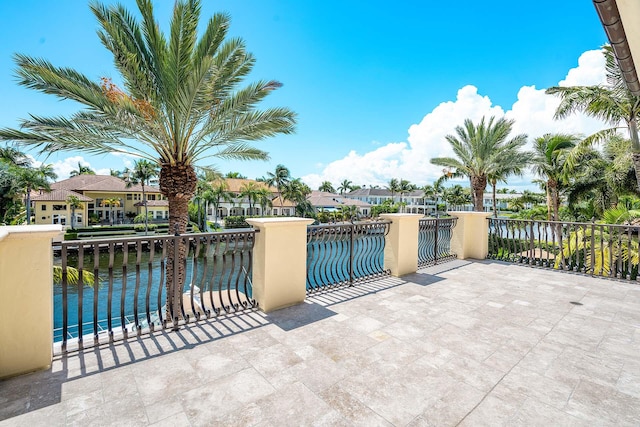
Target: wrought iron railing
605,250
122,284
434,240
344,254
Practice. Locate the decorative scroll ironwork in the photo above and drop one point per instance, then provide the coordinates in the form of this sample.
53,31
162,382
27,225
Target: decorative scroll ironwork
128,293
434,240
604,250
344,254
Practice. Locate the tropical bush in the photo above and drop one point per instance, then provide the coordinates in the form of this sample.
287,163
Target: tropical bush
150,227
235,222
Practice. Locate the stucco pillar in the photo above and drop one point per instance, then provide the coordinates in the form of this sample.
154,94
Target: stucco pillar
470,237
279,261
401,243
26,298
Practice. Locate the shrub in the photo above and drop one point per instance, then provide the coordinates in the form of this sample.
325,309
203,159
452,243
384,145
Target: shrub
235,222
140,218
140,227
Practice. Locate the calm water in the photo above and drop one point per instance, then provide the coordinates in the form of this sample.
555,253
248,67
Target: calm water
125,280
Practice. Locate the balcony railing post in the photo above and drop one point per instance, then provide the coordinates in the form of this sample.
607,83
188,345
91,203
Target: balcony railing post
279,261
435,244
401,243
351,251
470,236
26,298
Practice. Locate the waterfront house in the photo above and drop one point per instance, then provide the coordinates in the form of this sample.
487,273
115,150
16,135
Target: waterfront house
105,199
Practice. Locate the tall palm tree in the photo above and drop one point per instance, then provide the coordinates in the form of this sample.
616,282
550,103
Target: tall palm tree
250,190
111,203
512,161
604,176
405,187
297,191
613,103
30,178
480,150
457,195
263,198
82,170
74,203
345,186
218,193
549,162
141,173
14,157
181,103
279,179
327,187
393,186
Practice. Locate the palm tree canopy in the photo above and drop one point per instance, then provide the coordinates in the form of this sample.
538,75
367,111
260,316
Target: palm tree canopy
484,152
142,171
327,187
479,149
613,103
345,186
180,102
550,153
82,170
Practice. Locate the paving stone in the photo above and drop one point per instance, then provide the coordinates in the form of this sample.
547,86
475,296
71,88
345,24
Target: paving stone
469,343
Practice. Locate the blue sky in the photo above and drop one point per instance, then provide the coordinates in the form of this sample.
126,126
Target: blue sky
373,82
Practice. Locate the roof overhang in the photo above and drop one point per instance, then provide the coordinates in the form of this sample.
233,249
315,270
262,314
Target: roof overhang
621,22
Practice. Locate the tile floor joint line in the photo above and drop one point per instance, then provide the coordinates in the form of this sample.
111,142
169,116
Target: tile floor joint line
511,369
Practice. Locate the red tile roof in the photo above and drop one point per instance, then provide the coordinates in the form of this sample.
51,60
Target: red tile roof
106,183
57,196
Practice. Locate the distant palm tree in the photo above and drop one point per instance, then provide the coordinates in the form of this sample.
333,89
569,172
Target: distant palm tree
30,178
457,195
296,191
327,187
235,175
480,150
345,186
14,157
263,198
250,190
111,203
393,186
218,193
550,153
512,161
142,172
405,187
279,179
604,176
82,170
612,103
74,203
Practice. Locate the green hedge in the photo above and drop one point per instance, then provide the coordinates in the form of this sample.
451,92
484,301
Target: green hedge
235,222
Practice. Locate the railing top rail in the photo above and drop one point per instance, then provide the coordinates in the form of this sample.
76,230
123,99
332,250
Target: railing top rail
155,237
348,224
625,226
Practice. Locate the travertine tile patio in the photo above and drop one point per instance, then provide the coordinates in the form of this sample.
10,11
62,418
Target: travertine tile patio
464,343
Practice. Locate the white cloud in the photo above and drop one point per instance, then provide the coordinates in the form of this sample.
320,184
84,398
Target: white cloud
533,114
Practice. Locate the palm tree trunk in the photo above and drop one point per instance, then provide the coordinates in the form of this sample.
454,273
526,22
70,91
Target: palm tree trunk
478,184
28,205
493,199
635,148
178,184
146,211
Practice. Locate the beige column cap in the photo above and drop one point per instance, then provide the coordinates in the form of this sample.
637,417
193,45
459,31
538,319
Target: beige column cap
400,215
459,214
278,222
30,231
